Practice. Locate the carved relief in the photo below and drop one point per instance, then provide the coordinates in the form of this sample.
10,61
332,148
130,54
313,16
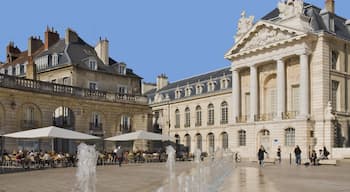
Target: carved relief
290,8
264,37
244,24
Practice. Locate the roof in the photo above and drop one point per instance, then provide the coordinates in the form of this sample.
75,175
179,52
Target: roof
203,79
318,20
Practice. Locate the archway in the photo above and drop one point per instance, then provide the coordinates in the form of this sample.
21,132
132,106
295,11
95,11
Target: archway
188,142
199,141
211,143
63,117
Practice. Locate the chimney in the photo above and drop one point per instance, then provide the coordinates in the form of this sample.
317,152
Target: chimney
71,36
162,81
34,43
31,69
330,6
51,37
102,50
11,52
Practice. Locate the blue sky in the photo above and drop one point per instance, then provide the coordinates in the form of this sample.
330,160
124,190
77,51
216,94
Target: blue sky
180,38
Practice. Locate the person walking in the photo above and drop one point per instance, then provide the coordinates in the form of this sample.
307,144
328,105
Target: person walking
261,154
313,157
279,154
297,152
120,156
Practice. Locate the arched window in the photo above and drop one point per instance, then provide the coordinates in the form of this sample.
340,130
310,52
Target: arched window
198,116
224,140
242,137
188,142
210,114
199,141
211,143
187,117
289,137
224,113
177,118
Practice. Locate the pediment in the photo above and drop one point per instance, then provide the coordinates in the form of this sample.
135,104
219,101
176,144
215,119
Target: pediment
264,35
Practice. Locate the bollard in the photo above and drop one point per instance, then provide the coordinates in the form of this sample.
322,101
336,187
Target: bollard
290,158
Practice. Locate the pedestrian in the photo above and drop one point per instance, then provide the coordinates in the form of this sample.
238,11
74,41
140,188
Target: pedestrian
120,155
313,157
261,154
297,152
325,152
279,154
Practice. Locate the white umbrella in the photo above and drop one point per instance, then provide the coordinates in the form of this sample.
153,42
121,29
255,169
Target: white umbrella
51,132
139,135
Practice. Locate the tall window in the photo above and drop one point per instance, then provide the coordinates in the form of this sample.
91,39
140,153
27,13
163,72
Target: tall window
290,137
54,59
224,113
295,98
29,114
211,86
21,69
125,124
224,137
198,116
242,137
92,64
247,103
188,142
210,114
335,85
122,89
96,120
211,143
187,117
271,101
177,93
199,89
224,83
188,91
335,56
177,118
199,141
122,69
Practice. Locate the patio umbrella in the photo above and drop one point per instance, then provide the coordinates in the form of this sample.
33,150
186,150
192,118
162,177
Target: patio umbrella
140,135
51,132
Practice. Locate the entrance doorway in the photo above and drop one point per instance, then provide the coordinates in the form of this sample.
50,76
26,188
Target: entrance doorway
264,139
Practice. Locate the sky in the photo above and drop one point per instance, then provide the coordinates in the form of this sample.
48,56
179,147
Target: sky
180,38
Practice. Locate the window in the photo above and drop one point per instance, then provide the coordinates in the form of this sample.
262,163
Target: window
211,86
224,113
66,81
96,120
125,124
187,117
92,64
242,137
210,114
199,89
335,85
92,86
247,103
55,59
29,114
211,143
224,137
295,98
18,69
177,118
224,82
290,137
188,142
198,116
122,69
21,69
177,93
122,89
188,91
271,105
334,57
199,141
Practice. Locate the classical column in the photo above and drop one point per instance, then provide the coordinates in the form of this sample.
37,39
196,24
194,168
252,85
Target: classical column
304,85
236,94
281,88
253,92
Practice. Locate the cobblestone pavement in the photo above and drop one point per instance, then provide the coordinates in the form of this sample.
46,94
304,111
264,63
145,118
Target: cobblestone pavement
246,177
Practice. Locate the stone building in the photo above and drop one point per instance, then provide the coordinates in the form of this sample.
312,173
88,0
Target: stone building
71,84
290,86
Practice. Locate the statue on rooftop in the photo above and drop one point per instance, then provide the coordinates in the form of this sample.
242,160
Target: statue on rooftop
244,24
290,8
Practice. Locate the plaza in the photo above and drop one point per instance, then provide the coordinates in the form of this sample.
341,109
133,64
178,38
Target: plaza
246,177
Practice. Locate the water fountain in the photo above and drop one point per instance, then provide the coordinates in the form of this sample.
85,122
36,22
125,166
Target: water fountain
86,171
206,175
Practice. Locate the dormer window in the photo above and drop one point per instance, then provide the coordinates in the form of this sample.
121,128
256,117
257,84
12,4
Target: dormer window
199,89
92,64
224,82
177,93
121,68
188,91
54,59
211,86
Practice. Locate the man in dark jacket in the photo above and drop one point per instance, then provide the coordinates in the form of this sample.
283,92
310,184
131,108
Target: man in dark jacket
297,152
120,156
261,155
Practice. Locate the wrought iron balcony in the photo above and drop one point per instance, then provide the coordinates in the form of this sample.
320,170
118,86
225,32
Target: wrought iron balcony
242,119
265,117
290,115
29,124
14,82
